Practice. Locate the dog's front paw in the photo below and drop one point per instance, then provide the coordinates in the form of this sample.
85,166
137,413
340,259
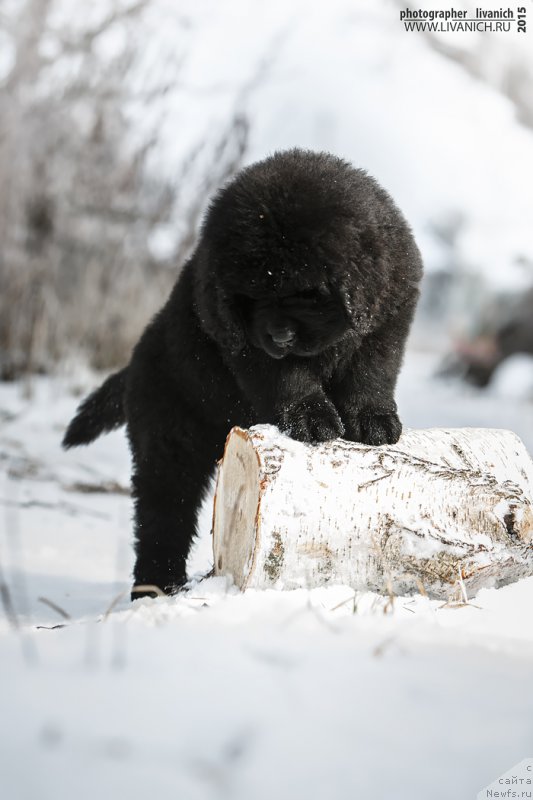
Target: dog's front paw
313,419
374,426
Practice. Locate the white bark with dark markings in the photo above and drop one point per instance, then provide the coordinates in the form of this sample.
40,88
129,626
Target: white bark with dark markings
441,509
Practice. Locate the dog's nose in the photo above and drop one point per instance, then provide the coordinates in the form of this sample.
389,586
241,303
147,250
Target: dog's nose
283,337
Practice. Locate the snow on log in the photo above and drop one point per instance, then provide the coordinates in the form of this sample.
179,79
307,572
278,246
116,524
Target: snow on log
441,509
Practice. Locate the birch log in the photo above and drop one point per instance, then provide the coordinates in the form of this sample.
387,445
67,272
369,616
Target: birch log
440,509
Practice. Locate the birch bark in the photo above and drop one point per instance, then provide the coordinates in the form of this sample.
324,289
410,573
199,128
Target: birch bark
438,510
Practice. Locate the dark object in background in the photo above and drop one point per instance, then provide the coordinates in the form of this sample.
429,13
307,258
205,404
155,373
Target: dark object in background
293,310
476,359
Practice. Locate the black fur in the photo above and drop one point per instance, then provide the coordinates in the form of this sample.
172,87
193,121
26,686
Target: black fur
101,412
293,310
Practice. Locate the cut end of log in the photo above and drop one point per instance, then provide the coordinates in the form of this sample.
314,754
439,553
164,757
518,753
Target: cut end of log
236,508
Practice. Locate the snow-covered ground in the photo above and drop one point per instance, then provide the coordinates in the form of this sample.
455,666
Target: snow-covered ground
215,694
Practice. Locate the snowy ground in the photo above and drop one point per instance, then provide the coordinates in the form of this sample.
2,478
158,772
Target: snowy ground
219,695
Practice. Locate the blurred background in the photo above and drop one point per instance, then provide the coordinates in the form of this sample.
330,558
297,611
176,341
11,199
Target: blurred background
119,121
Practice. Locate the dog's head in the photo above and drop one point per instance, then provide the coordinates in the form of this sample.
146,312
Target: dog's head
288,255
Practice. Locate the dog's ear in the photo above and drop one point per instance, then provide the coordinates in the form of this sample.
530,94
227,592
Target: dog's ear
217,310
363,280
361,303
345,292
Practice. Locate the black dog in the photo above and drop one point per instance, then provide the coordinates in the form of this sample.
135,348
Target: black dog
293,310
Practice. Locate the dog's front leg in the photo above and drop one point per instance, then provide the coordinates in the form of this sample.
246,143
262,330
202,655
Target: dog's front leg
293,399
364,386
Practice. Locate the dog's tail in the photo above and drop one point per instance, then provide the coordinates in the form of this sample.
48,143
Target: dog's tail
101,412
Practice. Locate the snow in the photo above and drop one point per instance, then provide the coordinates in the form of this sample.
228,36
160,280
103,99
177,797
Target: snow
514,377
217,694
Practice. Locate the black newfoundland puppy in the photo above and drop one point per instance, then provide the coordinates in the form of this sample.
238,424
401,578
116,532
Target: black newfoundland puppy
293,310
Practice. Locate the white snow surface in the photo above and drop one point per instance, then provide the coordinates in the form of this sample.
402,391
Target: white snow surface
217,694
